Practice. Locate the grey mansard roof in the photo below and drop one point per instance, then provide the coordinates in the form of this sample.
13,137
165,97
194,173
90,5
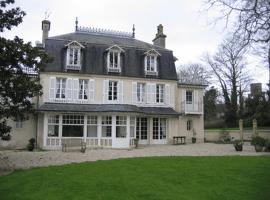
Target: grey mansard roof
61,107
94,55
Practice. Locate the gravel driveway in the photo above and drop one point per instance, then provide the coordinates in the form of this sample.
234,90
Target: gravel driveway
10,160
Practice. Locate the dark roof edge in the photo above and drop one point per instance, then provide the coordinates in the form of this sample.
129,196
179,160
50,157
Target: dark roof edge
192,85
55,38
109,75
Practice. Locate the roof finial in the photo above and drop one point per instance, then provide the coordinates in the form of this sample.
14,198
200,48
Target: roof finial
133,31
76,24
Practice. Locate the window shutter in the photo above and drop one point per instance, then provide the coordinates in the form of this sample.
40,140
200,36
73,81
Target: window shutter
91,90
167,94
119,61
183,100
108,60
69,88
79,56
195,100
120,91
145,63
75,89
154,90
148,95
151,93
52,88
105,90
134,92
67,58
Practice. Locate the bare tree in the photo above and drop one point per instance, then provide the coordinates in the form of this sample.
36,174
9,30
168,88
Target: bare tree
193,73
228,66
251,24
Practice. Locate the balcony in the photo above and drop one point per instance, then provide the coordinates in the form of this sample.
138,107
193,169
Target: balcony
114,70
73,67
151,73
192,107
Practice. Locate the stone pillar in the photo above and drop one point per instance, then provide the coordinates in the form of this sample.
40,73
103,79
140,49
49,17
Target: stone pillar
254,123
241,129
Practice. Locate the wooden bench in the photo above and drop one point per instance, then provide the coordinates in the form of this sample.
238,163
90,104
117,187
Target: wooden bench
66,143
179,139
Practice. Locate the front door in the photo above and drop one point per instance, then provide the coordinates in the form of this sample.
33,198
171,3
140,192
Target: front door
141,130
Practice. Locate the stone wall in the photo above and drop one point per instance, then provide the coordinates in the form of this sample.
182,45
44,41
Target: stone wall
215,135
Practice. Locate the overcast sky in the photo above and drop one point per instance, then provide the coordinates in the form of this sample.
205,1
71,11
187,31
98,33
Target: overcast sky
189,32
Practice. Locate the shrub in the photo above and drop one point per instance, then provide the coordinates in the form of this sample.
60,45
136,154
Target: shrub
31,145
258,141
238,145
6,137
225,137
267,145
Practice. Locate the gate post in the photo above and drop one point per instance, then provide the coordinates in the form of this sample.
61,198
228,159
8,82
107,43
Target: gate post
241,129
255,132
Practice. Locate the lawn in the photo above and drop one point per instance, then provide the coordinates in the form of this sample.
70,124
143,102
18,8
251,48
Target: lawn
232,178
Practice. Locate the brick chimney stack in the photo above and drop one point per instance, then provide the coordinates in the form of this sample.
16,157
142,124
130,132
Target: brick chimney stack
160,39
46,24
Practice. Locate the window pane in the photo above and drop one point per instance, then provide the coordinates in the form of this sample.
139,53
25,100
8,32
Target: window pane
53,130
72,131
91,131
121,131
76,52
189,95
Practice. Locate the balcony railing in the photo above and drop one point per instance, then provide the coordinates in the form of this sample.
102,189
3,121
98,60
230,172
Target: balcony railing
115,70
192,107
73,67
151,73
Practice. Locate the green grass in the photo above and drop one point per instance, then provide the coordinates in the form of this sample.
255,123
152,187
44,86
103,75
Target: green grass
163,178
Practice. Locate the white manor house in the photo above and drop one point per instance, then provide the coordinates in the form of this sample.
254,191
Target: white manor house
107,88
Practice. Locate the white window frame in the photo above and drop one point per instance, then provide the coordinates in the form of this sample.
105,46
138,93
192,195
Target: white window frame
160,93
141,92
113,53
72,120
121,121
83,89
61,87
189,94
106,122
73,50
157,134
150,62
113,89
53,120
92,121
114,66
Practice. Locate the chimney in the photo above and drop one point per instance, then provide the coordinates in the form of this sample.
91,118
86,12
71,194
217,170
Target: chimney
45,30
160,37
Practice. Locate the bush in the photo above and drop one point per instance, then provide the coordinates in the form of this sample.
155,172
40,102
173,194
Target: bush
238,145
267,145
258,141
6,137
225,137
31,145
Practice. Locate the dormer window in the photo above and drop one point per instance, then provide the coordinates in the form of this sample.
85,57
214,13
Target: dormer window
150,62
114,59
73,61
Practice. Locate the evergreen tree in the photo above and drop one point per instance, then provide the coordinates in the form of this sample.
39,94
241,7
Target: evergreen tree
17,86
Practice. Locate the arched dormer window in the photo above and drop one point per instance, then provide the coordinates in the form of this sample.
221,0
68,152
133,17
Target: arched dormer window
73,59
114,58
150,62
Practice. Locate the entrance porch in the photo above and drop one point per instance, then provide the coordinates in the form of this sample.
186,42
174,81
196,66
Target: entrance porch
116,130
